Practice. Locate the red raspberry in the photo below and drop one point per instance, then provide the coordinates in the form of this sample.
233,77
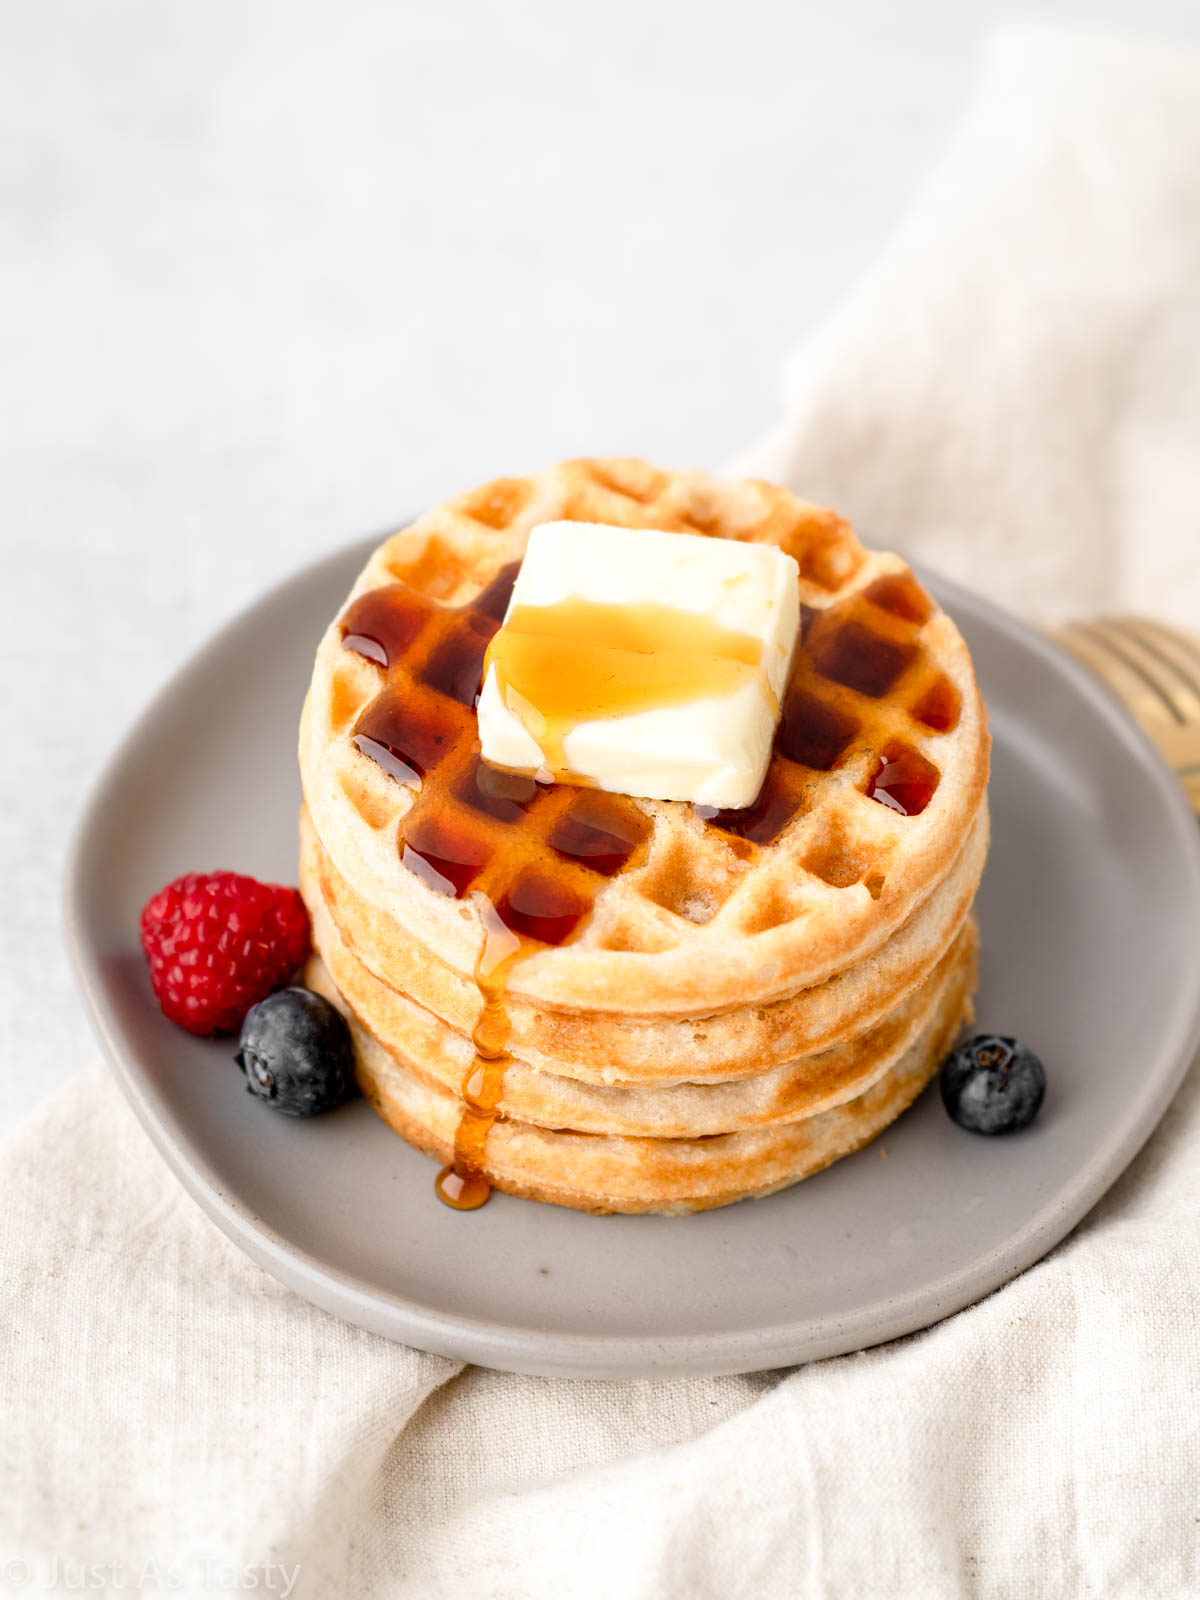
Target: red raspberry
218,943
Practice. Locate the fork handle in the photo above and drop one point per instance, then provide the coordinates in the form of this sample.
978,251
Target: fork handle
1154,671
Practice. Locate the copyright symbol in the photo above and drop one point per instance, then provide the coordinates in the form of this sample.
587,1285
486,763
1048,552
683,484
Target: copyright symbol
16,1574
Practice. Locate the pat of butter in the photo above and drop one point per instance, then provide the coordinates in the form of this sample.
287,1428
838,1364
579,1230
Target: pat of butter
643,662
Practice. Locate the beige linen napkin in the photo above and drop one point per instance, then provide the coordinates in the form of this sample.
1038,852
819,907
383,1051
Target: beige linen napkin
1014,397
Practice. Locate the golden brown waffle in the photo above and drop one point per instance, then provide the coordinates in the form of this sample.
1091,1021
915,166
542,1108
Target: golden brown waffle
442,1057
604,1173
703,1005
603,1048
701,916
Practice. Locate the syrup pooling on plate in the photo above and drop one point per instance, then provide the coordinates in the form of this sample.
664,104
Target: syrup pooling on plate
531,857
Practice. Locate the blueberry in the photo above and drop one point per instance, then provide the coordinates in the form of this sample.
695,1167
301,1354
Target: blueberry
296,1053
993,1085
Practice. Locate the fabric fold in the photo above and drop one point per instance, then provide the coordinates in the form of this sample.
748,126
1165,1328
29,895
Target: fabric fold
1013,393
1013,397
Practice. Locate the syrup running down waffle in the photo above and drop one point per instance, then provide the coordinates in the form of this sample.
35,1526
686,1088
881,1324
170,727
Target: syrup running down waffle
579,912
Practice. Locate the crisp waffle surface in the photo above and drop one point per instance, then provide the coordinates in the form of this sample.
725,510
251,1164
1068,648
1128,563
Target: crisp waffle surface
606,1047
442,1057
701,1007
618,1172
700,917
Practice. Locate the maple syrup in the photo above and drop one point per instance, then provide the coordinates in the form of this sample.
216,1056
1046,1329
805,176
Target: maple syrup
463,1184
598,830
404,737
532,856
446,856
455,667
779,800
900,594
849,646
859,658
383,623
462,1191
940,706
507,796
624,659
812,733
903,780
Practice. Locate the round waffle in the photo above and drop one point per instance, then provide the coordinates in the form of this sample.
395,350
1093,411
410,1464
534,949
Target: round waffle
602,1047
442,1057
628,1005
702,915
607,1173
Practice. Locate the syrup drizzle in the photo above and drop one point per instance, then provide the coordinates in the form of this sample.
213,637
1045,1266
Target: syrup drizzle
463,1184
903,780
624,659
530,859
532,856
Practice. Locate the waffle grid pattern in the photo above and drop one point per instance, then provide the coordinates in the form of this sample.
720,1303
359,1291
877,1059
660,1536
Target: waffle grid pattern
817,859
607,1047
538,852
702,1005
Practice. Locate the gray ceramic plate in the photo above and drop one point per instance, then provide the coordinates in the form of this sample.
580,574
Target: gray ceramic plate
1091,924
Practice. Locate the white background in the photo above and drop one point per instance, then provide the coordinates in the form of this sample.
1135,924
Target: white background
273,276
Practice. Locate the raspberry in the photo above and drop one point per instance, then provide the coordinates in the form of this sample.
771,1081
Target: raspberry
218,943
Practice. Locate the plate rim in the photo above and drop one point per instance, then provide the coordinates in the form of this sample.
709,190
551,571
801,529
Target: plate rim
621,1356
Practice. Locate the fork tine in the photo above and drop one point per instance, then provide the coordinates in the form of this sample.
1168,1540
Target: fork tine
1176,651
1140,643
1155,672
1187,643
1108,656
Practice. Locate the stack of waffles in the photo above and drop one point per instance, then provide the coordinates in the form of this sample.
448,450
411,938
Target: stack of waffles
633,1005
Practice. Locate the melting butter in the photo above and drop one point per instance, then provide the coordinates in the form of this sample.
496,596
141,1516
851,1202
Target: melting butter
642,661
583,660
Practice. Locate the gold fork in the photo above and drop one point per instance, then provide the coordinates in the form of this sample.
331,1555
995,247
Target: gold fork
1155,671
